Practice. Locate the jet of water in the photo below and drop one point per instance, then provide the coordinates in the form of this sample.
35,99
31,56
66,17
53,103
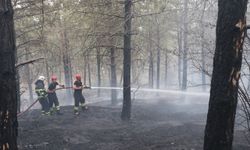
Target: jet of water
157,91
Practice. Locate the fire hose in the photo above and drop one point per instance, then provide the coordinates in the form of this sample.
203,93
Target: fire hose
20,113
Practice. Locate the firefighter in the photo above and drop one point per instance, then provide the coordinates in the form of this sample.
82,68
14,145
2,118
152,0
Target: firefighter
42,95
79,98
53,100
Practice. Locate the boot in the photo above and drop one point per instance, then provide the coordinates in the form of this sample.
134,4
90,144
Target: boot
52,111
43,113
48,113
84,106
76,112
57,110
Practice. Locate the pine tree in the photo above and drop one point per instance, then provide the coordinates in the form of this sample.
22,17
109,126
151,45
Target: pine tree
230,35
126,110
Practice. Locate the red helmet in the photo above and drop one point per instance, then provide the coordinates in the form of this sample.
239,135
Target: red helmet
53,78
78,77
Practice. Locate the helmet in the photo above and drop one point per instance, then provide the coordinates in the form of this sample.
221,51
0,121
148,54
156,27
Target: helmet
41,78
53,78
78,77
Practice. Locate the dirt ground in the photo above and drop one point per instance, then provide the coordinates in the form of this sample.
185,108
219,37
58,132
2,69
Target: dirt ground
157,125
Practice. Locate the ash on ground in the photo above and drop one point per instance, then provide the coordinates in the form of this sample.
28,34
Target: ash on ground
159,124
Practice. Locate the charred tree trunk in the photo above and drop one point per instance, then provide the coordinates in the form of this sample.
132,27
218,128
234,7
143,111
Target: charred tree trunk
230,35
18,88
185,47
113,77
8,102
18,91
126,109
98,59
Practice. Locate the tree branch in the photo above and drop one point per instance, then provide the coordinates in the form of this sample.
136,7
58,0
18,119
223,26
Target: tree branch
28,62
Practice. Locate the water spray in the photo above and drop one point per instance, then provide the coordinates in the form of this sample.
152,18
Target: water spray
175,92
156,91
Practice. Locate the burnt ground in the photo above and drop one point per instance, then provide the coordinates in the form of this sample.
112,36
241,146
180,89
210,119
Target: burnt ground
158,125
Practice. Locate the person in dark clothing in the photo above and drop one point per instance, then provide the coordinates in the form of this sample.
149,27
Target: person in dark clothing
42,95
53,100
79,98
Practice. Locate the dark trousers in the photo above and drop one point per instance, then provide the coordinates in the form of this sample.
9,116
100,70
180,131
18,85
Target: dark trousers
53,100
44,103
79,98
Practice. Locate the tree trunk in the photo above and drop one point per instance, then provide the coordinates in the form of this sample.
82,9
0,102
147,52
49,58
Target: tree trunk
185,46
66,73
203,61
89,72
121,78
18,88
113,77
151,70
85,70
28,77
60,69
166,69
113,80
180,46
98,59
66,64
248,86
47,69
151,61
126,109
223,100
45,50
158,57
70,74
8,102
18,91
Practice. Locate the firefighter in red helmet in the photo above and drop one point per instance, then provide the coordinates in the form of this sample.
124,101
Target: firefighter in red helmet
79,98
53,100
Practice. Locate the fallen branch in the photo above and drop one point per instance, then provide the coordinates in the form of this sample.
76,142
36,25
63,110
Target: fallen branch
28,62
